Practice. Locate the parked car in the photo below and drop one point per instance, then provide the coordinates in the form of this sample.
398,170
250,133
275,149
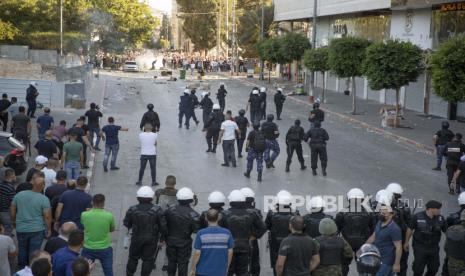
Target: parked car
130,66
13,152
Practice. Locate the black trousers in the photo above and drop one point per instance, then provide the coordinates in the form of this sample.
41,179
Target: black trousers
274,249
279,110
239,264
297,147
153,166
212,138
450,174
145,249
194,117
240,146
425,257
222,104
319,150
255,116
84,153
205,117
4,119
403,263
255,259
178,259
31,108
186,114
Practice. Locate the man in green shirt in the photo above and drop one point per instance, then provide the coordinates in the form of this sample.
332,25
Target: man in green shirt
31,216
98,224
72,157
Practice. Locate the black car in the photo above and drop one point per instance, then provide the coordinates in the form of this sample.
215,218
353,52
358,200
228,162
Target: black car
13,152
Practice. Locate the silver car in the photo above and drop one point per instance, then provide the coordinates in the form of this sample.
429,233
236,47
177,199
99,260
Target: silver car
130,66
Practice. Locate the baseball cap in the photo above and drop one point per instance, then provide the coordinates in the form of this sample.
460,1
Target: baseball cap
40,160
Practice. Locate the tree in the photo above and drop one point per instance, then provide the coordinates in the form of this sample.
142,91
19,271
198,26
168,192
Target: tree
270,50
345,57
316,60
447,66
7,31
165,29
293,46
392,65
200,27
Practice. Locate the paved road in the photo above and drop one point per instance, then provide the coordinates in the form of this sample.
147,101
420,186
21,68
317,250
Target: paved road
357,158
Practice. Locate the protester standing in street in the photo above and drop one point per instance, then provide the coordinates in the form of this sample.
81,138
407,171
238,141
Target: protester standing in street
150,117
294,138
243,123
4,105
318,137
7,251
62,259
46,147
72,157
271,132
185,108
54,243
148,153
21,126
31,99
195,103
109,134
279,99
59,133
221,96
81,131
98,224
207,106
7,193
440,139
44,123
459,177
213,128
453,151
228,132
93,116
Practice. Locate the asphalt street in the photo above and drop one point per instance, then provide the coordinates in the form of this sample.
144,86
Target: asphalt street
357,157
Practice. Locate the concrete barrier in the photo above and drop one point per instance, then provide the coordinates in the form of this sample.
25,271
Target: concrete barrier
14,52
46,57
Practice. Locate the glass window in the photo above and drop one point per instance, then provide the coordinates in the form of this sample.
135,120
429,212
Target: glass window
447,24
372,27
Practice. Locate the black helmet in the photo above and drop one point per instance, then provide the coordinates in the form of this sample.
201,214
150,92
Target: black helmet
316,105
297,122
317,124
242,112
150,106
368,260
270,117
193,91
222,86
445,124
256,126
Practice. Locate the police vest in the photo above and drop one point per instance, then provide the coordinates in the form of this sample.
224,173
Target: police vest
331,249
145,221
312,224
180,220
280,226
428,232
240,223
454,152
356,228
455,245
294,134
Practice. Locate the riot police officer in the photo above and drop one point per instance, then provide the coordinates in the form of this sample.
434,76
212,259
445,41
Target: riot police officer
182,221
279,99
316,115
243,123
221,96
368,260
194,104
255,251
185,108
455,244
271,132
277,223
333,250
454,218
313,219
294,138
318,137
453,151
244,225
216,200
426,227
255,147
262,95
255,107
213,128
150,117
355,224
207,105
440,139
148,226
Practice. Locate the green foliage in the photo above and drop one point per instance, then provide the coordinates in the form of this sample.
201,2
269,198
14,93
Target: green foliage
249,29
317,59
165,29
72,41
7,31
271,50
293,46
392,65
200,28
346,55
448,70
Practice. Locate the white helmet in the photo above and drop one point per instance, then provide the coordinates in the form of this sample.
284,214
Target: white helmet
184,194
462,198
204,93
186,91
395,188
284,197
248,192
145,192
236,196
255,92
279,89
384,197
316,202
262,89
216,107
355,193
216,197
34,83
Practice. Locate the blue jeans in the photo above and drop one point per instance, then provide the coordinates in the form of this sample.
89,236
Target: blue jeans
385,270
113,150
271,145
27,244
92,132
72,169
105,256
440,154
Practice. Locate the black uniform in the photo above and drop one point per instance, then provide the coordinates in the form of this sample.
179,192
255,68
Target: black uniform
316,115
255,250
243,224
221,95
425,243
318,137
207,106
185,109
31,99
242,122
255,108
294,138
455,244
312,223
279,99
453,151
148,225
4,104
263,104
213,128
277,223
195,103
355,228
452,219
182,221
150,117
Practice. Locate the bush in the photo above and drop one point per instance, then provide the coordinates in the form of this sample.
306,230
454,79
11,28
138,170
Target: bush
72,41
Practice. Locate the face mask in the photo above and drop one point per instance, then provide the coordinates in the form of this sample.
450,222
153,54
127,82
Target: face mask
382,218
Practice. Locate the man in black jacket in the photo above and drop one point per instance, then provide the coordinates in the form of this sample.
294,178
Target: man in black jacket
294,138
207,105
242,122
318,137
195,104
279,99
31,99
150,117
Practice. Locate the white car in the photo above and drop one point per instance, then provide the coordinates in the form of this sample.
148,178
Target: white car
130,66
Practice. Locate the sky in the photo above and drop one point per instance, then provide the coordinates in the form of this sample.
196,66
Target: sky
164,5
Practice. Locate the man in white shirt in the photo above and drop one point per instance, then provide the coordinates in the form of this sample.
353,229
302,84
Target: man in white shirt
228,134
50,172
148,152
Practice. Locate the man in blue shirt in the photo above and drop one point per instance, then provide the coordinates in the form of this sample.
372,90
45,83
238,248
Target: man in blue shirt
63,258
388,238
109,134
44,123
213,248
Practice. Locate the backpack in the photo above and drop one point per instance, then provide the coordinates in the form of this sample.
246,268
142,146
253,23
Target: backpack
239,225
312,225
357,228
259,142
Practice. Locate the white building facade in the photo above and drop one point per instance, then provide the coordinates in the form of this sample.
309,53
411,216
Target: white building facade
425,23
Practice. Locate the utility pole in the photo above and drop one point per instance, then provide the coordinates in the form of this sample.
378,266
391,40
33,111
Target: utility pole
312,76
234,40
227,29
262,30
218,33
61,27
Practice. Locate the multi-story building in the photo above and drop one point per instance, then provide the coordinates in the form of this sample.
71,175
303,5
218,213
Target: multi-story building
179,40
425,23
